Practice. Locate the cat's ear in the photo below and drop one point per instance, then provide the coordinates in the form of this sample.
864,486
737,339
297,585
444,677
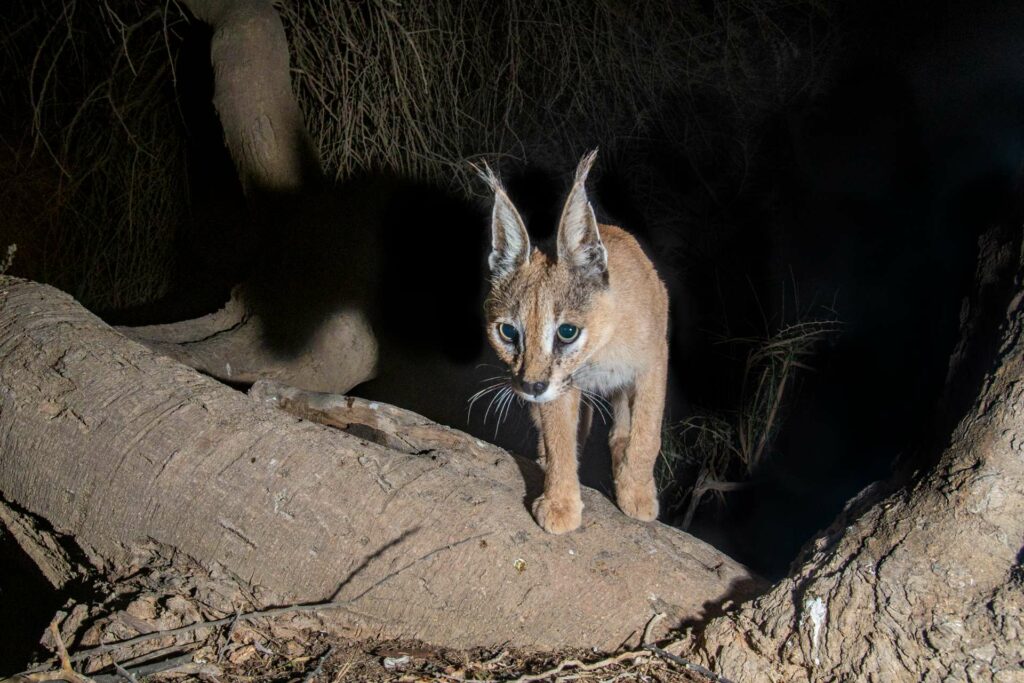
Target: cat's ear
579,240
510,243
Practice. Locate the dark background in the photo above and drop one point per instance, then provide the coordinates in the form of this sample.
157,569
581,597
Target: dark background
868,200
865,197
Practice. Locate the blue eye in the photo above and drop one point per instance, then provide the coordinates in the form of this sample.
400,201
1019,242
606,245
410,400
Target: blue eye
508,332
567,333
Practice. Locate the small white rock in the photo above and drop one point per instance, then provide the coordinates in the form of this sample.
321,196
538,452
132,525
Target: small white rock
394,663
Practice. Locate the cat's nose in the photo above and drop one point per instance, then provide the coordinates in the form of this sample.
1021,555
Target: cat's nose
535,388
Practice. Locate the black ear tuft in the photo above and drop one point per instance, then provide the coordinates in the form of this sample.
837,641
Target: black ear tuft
510,243
579,239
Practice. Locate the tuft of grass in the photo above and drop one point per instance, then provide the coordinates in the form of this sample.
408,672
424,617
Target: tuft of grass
700,446
713,454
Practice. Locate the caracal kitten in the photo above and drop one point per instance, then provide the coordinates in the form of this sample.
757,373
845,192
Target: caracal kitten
591,320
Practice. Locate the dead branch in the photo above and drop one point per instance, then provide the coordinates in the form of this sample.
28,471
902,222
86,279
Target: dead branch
387,425
107,648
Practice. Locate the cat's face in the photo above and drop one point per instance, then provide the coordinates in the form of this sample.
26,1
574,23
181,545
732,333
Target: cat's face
541,321
544,315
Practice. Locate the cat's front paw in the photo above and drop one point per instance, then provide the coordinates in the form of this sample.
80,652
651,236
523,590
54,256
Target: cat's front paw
638,501
558,516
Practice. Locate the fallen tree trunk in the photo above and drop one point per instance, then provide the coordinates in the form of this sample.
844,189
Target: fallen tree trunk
924,584
117,446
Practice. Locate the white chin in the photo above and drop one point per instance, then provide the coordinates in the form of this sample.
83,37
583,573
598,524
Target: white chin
548,395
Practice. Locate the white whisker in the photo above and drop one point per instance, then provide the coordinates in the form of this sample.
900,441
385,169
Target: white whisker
480,394
497,396
484,391
598,402
505,400
508,406
586,400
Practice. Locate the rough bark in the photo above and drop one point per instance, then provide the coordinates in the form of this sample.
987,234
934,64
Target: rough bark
45,549
263,125
925,584
115,445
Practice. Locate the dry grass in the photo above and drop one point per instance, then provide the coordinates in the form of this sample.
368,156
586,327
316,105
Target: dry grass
718,453
103,149
418,88
8,259
414,88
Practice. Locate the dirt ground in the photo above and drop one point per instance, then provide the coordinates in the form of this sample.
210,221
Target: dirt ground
244,656
163,617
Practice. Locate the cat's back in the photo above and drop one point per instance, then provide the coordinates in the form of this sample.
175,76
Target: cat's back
631,274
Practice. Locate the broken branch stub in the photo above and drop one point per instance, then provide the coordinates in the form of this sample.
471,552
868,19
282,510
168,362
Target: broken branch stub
231,345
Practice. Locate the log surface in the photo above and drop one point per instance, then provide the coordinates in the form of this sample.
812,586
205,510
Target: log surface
115,445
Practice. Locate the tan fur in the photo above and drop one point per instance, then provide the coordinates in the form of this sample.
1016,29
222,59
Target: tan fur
602,283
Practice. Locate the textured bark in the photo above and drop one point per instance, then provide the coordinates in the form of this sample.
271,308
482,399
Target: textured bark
115,445
398,429
262,122
926,583
44,548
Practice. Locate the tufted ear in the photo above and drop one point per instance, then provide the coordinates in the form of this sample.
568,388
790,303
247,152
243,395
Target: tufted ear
579,241
510,243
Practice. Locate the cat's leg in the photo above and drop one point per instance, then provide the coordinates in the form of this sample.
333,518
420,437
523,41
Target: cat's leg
542,459
633,471
586,422
618,435
560,507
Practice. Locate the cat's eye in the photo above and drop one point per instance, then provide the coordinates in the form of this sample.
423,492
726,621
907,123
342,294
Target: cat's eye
567,333
508,332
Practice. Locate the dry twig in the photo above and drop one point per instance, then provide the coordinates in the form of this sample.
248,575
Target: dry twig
190,628
578,665
311,676
64,673
690,666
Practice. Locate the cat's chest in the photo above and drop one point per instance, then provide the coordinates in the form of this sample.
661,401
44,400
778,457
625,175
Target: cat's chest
604,378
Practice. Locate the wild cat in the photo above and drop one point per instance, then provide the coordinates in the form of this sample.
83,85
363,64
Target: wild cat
592,319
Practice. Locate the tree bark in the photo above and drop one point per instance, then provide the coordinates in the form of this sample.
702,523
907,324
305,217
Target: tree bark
926,584
263,125
279,168
118,446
